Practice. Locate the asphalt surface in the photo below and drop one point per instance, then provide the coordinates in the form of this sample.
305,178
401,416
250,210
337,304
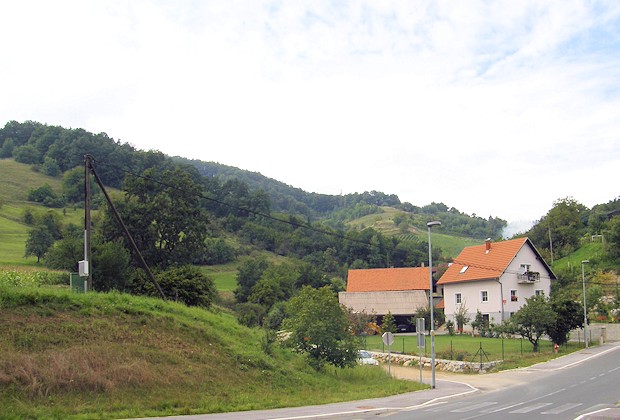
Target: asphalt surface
448,385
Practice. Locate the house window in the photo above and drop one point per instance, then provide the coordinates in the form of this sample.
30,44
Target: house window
540,292
513,296
525,268
484,296
458,298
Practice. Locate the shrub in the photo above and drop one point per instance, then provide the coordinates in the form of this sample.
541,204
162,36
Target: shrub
250,314
185,284
450,327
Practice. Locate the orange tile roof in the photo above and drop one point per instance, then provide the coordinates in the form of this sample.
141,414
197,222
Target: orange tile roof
388,279
482,264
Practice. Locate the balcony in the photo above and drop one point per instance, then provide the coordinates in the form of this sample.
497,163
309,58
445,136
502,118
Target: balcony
528,277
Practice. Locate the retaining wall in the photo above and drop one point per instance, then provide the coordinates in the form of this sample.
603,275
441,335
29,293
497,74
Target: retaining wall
440,364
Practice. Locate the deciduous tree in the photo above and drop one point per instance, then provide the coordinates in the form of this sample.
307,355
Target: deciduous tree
534,319
569,315
40,239
319,327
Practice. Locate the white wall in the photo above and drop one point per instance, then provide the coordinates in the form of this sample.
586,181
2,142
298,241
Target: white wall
471,298
499,296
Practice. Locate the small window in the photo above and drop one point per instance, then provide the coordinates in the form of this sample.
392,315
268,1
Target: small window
540,292
484,296
525,268
464,269
513,296
458,298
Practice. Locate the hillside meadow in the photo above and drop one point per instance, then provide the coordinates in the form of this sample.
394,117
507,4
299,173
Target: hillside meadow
16,180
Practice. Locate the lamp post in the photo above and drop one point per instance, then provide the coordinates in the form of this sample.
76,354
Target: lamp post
585,313
430,299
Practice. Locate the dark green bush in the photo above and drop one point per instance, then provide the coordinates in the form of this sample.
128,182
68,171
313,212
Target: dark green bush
185,284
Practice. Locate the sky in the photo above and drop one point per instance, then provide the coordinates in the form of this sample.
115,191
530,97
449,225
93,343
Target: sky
496,108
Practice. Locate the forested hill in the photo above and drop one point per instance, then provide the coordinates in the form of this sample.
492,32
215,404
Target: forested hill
342,208
55,150
286,198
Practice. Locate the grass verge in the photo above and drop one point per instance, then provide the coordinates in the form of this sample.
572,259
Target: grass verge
111,355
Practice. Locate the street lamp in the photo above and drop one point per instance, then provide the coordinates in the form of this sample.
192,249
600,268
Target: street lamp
430,300
585,313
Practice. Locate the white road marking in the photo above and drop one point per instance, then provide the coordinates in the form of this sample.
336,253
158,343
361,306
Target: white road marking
529,408
473,407
562,408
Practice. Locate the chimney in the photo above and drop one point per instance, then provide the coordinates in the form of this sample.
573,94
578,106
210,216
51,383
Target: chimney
488,244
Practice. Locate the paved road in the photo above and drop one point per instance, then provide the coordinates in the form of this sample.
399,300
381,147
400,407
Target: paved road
451,388
570,391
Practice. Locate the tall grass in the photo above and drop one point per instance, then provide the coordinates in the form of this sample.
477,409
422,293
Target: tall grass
111,355
24,277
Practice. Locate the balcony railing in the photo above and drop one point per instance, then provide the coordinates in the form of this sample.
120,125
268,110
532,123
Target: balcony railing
528,277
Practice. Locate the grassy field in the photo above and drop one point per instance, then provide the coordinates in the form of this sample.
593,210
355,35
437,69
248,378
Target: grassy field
13,233
592,251
450,245
13,237
224,276
98,355
16,180
515,352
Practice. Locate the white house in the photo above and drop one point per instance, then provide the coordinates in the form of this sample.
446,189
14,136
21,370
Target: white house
494,278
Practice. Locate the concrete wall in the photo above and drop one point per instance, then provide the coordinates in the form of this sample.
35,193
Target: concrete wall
609,332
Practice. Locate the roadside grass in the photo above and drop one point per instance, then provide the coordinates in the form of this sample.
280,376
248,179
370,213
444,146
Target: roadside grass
515,352
113,355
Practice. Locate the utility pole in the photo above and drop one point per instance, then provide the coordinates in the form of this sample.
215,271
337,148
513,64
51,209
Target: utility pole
87,224
550,244
120,222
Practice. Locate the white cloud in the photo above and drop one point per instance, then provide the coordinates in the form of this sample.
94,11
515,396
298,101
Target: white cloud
483,105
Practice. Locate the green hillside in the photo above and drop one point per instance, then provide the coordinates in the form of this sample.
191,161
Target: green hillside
16,180
97,355
591,251
450,245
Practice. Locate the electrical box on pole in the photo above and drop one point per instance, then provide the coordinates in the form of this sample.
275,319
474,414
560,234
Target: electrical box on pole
83,268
